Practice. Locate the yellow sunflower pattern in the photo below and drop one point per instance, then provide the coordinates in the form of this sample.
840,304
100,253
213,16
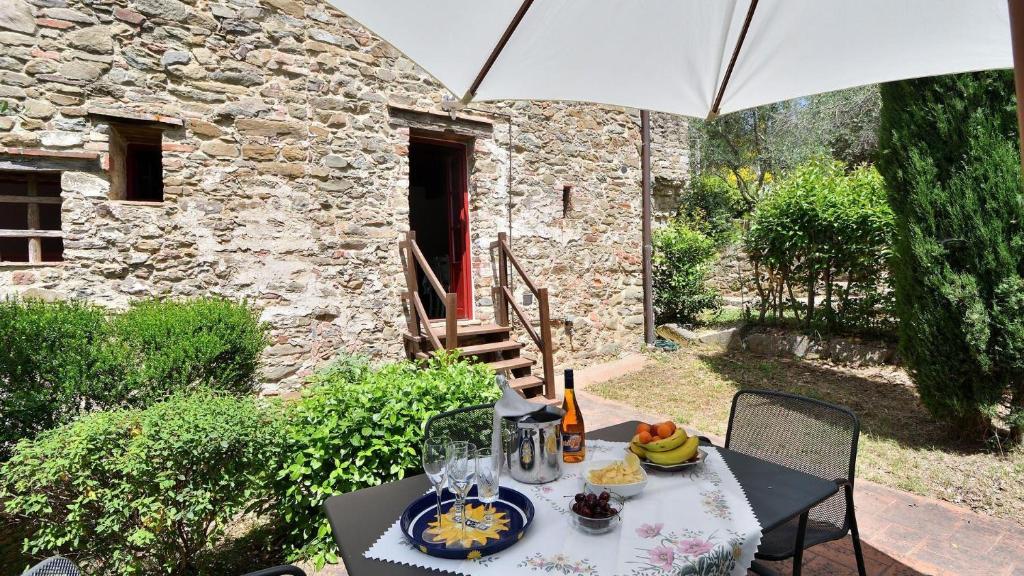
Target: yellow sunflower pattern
451,534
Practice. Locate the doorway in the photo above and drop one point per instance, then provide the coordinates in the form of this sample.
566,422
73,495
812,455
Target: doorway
439,215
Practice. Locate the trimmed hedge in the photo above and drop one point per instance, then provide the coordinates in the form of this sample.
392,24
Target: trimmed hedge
143,491
58,360
360,426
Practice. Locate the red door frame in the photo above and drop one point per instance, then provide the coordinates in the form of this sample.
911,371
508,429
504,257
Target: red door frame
461,264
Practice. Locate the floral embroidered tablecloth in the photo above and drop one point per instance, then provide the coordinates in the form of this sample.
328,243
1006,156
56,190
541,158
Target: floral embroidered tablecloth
696,522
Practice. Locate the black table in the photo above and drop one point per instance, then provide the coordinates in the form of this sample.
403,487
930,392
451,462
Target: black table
358,519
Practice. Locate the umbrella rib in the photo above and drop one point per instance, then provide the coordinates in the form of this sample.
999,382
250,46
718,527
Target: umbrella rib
732,61
509,30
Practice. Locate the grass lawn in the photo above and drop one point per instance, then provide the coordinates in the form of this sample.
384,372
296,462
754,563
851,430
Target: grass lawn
900,446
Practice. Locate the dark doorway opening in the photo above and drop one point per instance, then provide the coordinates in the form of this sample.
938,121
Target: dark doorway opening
439,215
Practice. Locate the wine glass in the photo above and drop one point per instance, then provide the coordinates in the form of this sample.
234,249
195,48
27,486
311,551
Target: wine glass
434,457
459,471
488,474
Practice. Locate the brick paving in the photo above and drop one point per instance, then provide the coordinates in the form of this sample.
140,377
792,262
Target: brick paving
902,534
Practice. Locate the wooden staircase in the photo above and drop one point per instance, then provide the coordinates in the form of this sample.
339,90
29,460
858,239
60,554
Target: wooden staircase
490,343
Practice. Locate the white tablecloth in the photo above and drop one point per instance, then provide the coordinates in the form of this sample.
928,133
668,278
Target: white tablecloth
687,523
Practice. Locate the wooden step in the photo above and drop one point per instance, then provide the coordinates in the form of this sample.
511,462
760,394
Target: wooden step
489,348
473,330
510,364
526,383
481,349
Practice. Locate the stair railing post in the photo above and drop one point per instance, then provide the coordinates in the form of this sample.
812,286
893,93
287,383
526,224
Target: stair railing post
545,336
502,304
410,279
451,321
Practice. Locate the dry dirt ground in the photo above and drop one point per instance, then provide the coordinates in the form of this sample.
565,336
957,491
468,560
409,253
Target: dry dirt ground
901,445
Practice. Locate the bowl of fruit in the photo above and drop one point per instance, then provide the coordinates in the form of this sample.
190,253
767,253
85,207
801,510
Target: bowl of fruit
596,513
624,478
664,446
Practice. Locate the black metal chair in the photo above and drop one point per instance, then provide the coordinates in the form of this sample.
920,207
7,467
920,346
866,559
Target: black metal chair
60,566
471,424
811,436
54,566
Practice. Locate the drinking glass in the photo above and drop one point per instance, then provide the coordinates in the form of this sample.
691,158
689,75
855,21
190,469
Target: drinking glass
459,470
434,456
488,474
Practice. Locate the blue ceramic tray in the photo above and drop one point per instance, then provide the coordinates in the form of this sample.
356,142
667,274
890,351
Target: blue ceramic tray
513,513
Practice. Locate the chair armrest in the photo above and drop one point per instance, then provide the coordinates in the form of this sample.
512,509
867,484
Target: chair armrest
278,571
705,441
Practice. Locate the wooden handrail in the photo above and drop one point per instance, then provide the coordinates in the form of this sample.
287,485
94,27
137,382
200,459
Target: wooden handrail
417,302
419,321
522,318
431,277
504,299
504,247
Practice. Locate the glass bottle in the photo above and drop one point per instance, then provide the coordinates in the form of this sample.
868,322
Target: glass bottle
574,434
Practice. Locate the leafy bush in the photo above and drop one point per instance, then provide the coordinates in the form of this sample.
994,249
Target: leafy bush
178,345
951,161
710,204
822,228
51,362
62,358
682,263
143,492
359,426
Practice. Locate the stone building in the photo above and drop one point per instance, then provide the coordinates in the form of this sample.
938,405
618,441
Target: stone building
275,150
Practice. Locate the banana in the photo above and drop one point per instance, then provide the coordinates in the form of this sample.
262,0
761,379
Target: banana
635,448
665,444
682,453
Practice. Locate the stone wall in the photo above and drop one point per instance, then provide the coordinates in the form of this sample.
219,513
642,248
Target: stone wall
285,158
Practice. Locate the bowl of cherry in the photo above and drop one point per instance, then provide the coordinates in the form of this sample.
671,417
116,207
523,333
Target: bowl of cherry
596,513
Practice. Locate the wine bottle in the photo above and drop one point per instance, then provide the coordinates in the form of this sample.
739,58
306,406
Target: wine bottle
574,434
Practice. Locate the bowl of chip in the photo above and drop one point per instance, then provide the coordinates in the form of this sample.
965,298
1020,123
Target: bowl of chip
624,478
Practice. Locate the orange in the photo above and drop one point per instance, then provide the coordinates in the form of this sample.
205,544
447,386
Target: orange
665,429
643,437
643,427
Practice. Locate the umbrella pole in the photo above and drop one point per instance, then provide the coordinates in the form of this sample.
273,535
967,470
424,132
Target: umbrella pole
648,249
1017,37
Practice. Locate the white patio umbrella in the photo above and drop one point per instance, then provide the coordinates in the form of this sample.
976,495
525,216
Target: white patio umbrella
698,58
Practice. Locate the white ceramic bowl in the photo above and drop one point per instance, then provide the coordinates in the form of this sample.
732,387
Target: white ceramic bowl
622,490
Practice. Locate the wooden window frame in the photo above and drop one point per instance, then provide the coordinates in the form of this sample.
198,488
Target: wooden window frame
32,233
125,139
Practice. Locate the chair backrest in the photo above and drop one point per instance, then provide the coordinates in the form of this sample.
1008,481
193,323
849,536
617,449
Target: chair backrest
800,433
55,566
472,424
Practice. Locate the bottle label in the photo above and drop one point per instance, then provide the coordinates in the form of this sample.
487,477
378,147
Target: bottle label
572,442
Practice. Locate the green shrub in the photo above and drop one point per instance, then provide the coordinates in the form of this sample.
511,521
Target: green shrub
711,204
143,492
682,263
62,358
822,228
950,159
179,345
51,362
357,427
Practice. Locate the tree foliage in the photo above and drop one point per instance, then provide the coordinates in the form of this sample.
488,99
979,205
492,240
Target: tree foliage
823,229
951,163
751,146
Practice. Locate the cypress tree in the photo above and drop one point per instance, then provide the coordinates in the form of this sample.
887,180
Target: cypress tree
950,160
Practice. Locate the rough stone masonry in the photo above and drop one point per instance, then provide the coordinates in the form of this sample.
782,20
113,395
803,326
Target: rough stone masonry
285,166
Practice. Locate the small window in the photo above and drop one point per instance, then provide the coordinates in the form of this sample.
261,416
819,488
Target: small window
136,163
30,217
566,201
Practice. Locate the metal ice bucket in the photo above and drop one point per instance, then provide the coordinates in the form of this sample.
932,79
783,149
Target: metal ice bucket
533,447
